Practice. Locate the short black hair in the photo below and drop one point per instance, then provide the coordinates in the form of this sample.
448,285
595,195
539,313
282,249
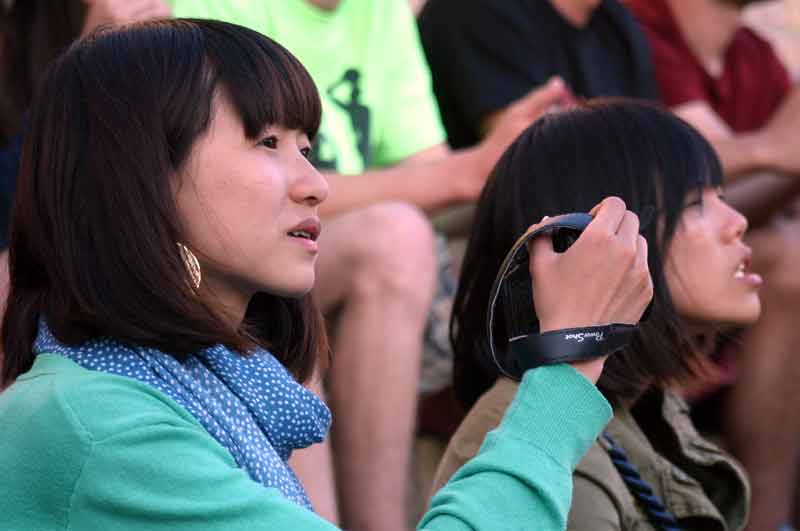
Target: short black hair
568,161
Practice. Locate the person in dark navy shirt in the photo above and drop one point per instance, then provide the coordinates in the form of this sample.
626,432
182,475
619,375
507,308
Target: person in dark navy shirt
485,54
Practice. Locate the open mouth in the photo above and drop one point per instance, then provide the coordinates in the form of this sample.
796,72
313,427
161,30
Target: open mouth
301,234
743,268
307,230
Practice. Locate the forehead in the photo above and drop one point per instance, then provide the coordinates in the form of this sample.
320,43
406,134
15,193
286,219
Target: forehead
223,115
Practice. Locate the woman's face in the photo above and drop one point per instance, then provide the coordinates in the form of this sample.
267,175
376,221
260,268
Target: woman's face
250,210
707,264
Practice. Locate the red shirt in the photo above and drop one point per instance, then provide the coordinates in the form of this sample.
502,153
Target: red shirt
753,83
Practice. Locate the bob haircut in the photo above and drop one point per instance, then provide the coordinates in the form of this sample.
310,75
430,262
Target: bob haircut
94,229
568,162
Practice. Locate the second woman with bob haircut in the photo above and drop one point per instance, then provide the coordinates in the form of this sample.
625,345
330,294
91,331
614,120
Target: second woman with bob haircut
650,469
159,326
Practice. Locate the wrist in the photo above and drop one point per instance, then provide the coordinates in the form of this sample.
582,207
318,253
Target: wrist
759,150
472,169
561,324
591,370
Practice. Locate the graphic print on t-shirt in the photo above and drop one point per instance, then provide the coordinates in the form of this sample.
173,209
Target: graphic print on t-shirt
345,129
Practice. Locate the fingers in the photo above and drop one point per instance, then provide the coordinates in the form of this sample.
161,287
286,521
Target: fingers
541,246
540,99
629,228
641,251
641,265
608,216
540,249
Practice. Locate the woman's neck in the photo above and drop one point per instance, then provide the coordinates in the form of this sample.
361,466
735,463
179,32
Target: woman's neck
708,27
227,301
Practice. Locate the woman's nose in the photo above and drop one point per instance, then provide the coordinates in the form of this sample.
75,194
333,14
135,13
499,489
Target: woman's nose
310,186
737,222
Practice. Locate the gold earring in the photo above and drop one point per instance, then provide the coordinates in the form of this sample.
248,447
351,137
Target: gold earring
192,265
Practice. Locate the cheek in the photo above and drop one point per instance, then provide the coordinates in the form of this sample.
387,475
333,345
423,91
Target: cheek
689,269
677,285
228,209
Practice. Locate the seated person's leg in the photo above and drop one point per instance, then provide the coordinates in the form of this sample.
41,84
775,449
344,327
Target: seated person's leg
314,467
761,421
377,268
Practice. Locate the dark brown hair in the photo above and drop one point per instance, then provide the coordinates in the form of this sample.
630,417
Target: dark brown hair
568,162
32,34
94,229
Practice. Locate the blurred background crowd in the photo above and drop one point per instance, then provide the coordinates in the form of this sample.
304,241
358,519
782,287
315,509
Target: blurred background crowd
418,98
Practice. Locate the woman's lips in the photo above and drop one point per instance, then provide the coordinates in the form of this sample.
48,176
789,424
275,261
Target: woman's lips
307,243
748,277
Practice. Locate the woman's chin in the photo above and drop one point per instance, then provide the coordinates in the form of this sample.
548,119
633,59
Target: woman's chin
299,288
745,314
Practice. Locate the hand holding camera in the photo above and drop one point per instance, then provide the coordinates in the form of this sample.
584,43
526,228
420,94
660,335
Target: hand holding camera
601,279
588,279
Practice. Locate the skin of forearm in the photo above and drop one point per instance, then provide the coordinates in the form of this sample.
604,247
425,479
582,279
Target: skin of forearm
742,155
760,195
430,185
752,184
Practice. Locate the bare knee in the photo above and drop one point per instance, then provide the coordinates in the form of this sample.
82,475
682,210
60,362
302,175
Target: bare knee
394,254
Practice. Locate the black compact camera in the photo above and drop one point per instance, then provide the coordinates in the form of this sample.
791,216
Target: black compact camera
513,293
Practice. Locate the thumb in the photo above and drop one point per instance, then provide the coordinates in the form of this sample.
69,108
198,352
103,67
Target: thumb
540,251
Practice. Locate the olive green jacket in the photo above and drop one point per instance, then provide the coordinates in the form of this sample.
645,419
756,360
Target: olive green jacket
701,485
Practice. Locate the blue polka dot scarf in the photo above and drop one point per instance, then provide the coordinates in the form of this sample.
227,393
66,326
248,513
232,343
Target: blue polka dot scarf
251,405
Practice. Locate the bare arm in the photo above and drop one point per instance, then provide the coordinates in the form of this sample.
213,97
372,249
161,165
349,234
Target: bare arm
739,154
432,179
762,194
759,167
437,177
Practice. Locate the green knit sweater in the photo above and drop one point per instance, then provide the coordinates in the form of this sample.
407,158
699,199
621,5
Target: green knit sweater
85,450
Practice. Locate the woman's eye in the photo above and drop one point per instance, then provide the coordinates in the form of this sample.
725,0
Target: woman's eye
306,152
270,142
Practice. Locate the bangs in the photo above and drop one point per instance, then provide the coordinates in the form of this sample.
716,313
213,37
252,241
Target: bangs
694,156
265,83
688,163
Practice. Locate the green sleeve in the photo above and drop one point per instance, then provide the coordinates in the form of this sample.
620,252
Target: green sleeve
166,476
408,117
151,467
522,476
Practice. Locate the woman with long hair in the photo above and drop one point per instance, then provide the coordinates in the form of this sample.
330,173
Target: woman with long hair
650,469
159,323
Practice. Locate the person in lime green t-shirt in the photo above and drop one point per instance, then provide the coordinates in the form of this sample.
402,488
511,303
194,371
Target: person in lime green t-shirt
366,59
382,148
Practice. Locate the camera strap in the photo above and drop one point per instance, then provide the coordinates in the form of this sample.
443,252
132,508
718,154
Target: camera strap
569,344
526,348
